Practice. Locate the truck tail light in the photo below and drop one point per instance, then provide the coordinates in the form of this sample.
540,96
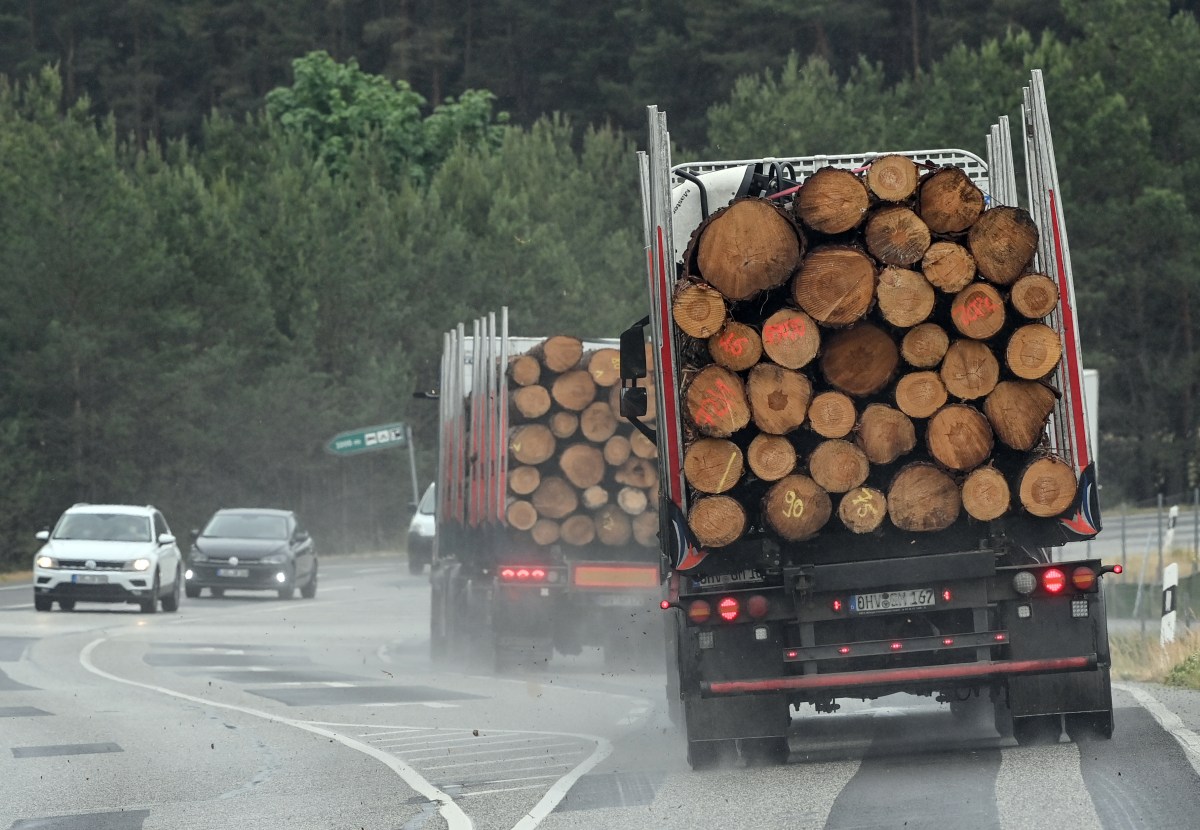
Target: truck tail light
522,573
1054,580
728,608
1083,578
838,606
1024,583
757,606
699,611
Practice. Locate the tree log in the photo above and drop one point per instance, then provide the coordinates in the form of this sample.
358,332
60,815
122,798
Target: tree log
545,532
645,529
923,498
1018,411
573,390
582,465
838,466
737,346
920,394
790,338
863,509
835,285
638,472
613,527
530,401
616,450
896,236
699,309
959,437
778,398
948,266
884,433
832,415
1048,486
523,479
969,369
770,457
716,521
632,501
905,297
559,353
555,498
578,530
985,494
1003,241
949,201
748,247
604,365
1034,296
713,465
594,497
715,401
892,178
978,311
925,345
597,422
832,201
521,514
1033,351
564,424
860,360
796,507
641,446
524,370
531,444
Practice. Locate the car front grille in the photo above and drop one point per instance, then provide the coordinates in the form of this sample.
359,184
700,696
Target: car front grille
81,565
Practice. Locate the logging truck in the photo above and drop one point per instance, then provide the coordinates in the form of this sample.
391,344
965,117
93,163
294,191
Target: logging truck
546,526
871,436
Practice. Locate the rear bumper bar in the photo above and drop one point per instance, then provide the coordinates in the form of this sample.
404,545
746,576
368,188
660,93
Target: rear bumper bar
897,677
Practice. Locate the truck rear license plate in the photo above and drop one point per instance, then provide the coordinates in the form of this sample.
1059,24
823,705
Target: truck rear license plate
892,600
234,572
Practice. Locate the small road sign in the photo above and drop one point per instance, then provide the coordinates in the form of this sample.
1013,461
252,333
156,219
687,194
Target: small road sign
369,439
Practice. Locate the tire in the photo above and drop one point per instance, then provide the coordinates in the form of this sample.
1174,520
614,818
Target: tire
1039,730
310,588
150,606
191,591
217,593
42,603
66,604
170,603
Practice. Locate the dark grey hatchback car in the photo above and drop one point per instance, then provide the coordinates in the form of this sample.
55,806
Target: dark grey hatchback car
252,549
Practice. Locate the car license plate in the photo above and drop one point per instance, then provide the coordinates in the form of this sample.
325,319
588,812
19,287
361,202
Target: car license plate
892,600
89,579
233,572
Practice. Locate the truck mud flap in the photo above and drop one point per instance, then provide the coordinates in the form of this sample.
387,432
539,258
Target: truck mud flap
760,716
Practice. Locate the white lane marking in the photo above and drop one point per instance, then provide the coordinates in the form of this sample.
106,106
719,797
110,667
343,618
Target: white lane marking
16,607
455,818
493,761
362,571
475,753
559,789
428,704
480,742
501,790
326,589
17,587
1169,721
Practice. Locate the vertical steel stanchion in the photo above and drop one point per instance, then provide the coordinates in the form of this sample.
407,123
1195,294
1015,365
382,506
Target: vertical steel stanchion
1160,538
1124,552
1195,528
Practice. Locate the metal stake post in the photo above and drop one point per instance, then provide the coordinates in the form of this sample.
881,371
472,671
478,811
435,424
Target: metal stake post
1160,538
1124,555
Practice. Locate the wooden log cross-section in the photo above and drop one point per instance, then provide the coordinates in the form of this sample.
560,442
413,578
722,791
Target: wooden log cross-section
1047,486
892,178
948,266
559,353
713,465
747,247
796,507
778,398
770,457
832,201
717,521
1003,241
715,401
860,360
905,297
835,285
923,499
925,345
863,509
736,346
948,201
790,338
698,309
896,236
1018,411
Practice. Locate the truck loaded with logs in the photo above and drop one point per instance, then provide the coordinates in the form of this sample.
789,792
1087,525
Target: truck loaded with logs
547,502
871,436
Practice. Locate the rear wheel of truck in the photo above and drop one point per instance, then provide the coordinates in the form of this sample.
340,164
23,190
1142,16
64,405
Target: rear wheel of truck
1038,730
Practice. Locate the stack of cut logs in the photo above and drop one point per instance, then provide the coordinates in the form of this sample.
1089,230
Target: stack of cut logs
578,473
874,349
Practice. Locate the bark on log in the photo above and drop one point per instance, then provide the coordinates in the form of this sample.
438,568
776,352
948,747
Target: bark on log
770,457
978,311
832,201
1033,351
832,415
949,201
645,529
521,514
925,345
641,446
838,466
524,370
564,424
860,360
1033,296
1048,486
715,400
748,247
863,509
1018,411
617,450
905,297
920,394
597,422
555,498
699,309
582,465
736,346
523,479
545,532
790,338
578,530
573,390
835,285
892,178
531,444
1003,241
594,497
884,433
632,501
713,465
717,521
896,236
559,353
531,401
985,494
638,472
969,369
778,398
613,527
948,266
959,437
604,365
923,499
796,507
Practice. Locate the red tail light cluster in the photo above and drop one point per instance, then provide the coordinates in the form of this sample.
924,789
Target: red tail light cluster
729,609
699,611
523,574
1054,580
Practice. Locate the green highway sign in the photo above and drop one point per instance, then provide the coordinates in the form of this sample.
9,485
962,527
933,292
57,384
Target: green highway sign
369,439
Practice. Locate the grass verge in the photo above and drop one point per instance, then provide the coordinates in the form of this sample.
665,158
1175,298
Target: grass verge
15,577
1135,657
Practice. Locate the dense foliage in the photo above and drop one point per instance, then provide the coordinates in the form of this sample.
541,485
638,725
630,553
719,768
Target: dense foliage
240,244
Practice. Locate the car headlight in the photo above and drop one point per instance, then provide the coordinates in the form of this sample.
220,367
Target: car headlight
274,559
45,561
140,565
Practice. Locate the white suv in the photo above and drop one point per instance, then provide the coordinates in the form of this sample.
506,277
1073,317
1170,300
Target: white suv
108,553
